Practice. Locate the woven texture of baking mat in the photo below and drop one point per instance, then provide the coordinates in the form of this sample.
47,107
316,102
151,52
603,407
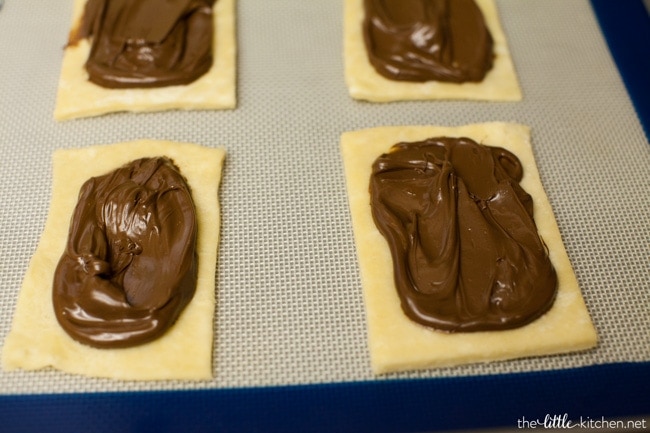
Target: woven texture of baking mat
289,305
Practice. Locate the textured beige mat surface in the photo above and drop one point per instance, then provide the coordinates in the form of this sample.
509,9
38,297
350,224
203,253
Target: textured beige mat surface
289,306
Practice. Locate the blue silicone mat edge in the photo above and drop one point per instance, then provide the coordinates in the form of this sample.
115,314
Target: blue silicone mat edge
626,26
599,392
596,392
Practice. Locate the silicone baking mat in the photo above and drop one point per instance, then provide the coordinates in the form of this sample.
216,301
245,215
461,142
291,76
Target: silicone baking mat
290,349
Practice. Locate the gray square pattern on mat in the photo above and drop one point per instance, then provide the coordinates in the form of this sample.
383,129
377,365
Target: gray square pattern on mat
289,305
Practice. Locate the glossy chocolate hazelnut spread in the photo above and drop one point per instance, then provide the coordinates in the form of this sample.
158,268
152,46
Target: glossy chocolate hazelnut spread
465,248
426,40
130,264
147,43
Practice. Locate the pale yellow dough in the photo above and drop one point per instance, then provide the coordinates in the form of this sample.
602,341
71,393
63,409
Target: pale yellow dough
365,83
395,342
185,352
78,97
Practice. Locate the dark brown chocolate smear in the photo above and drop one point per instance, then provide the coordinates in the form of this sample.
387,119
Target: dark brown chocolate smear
147,43
465,247
130,264
426,40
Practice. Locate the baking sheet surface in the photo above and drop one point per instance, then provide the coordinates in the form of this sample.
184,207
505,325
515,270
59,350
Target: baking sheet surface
289,306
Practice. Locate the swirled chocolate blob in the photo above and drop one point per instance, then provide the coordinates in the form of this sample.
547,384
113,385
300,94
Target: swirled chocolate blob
130,264
465,247
147,43
425,40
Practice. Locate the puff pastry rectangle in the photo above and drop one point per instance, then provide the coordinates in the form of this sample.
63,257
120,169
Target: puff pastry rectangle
185,352
395,342
78,97
365,83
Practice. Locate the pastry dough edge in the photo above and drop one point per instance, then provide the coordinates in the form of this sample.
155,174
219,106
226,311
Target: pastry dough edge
77,97
364,83
396,343
36,340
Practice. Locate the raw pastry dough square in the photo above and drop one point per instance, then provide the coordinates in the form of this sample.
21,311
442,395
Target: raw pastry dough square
396,343
185,352
78,97
500,84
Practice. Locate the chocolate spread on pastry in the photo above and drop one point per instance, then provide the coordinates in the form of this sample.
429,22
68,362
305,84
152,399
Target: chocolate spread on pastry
146,43
130,264
466,252
425,40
